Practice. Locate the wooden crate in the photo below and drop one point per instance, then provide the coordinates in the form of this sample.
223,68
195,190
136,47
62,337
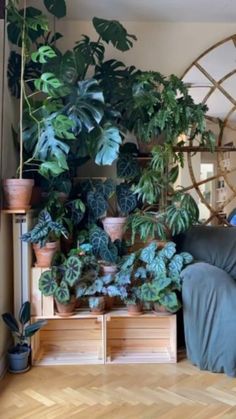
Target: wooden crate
149,338
78,339
40,305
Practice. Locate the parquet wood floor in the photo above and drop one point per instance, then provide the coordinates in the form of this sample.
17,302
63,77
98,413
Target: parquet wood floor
171,391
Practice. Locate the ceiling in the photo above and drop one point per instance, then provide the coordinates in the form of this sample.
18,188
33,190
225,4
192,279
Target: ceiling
154,10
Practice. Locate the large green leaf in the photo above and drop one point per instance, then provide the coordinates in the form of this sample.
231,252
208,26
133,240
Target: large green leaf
43,54
170,301
31,329
50,169
106,144
106,188
157,267
112,31
98,238
109,253
49,148
56,7
24,314
168,250
148,253
127,262
36,24
88,53
86,105
63,127
176,265
97,204
126,199
47,283
127,167
73,270
11,322
62,293
162,283
149,292
48,83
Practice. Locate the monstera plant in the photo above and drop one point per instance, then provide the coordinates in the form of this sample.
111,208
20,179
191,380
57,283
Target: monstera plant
61,282
65,115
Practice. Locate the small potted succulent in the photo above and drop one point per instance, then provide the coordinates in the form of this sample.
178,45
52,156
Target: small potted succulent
44,237
161,270
60,281
18,355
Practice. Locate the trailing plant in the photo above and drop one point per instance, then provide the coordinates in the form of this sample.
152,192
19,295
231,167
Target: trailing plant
46,230
21,330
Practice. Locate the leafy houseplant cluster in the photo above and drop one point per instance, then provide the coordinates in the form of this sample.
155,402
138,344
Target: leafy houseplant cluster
75,107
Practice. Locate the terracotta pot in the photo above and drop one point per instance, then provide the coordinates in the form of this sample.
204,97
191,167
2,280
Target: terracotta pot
134,309
97,305
114,227
66,310
17,193
45,254
160,309
146,147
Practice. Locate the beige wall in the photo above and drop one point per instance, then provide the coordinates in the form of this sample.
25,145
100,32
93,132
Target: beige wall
166,47
7,169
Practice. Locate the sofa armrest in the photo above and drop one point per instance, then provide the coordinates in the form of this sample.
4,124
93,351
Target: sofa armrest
205,274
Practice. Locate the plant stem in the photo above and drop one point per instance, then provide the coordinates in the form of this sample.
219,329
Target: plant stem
22,90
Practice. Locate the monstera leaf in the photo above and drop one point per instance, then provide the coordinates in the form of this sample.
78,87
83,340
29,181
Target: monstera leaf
127,167
49,148
108,140
73,270
62,293
63,127
56,7
112,31
47,283
43,54
48,83
126,199
86,105
36,24
148,253
97,204
88,53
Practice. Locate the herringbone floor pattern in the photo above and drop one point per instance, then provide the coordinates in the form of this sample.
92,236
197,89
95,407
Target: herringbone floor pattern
173,391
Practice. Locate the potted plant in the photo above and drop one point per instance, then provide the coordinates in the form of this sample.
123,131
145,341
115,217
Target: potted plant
61,282
110,202
18,355
96,289
44,237
161,269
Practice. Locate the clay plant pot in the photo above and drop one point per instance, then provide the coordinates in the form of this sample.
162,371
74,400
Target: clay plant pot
134,309
45,254
17,193
147,147
97,305
158,308
68,309
114,227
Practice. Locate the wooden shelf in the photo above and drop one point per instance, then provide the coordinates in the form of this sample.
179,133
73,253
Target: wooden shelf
149,338
14,211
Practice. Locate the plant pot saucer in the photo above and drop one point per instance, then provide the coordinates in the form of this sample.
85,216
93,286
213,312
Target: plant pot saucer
20,371
72,313
97,313
23,208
